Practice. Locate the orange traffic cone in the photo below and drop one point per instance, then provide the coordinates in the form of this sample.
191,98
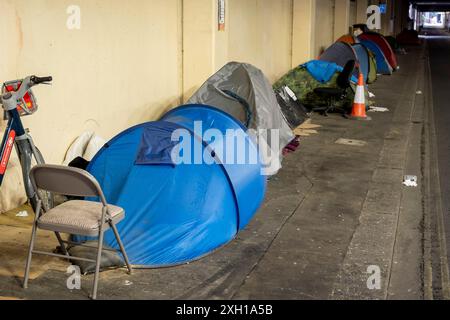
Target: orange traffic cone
359,105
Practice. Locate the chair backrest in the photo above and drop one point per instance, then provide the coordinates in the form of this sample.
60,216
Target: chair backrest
66,180
343,80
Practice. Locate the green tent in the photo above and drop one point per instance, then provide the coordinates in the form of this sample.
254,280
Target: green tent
373,68
302,83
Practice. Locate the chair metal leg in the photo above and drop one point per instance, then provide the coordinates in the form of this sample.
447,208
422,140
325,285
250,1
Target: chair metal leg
331,103
61,243
30,255
98,262
122,248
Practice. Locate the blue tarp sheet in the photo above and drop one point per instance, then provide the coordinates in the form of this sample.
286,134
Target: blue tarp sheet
323,71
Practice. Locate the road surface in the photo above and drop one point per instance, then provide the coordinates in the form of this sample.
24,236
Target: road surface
439,51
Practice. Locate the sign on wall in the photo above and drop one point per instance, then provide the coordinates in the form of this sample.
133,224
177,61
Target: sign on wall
221,10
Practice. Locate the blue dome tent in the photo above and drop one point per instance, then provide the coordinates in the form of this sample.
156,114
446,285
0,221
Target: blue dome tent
383,66
178,212
363,59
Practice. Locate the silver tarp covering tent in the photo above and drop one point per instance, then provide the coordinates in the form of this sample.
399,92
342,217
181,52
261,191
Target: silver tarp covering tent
244,92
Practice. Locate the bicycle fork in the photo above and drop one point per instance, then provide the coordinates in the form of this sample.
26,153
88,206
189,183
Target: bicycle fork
25,150
16,135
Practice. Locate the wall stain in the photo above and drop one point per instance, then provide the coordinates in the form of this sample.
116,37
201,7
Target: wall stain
19,31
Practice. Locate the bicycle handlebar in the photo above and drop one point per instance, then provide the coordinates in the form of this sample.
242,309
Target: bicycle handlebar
10,99
38,80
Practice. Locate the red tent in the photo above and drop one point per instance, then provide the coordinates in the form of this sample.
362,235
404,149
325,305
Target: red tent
384,46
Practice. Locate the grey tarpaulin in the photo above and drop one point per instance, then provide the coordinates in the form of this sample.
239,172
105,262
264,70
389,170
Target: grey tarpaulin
244,92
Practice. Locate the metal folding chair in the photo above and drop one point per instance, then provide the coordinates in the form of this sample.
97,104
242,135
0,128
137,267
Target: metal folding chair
78,217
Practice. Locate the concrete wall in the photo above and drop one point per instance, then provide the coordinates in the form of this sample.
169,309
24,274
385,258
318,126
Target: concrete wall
324,25
361,11
341,18
401,16
256,31
198,51
260,32
387,25
119,69
303,31
353,13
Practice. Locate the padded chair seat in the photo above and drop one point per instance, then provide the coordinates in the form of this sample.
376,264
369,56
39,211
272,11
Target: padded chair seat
78,217
329,91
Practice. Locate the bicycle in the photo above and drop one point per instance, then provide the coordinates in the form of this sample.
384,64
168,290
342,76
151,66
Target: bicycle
18,100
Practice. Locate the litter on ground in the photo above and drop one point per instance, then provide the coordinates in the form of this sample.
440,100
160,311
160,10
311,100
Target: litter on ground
410,181
306,129
22,214
378,109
